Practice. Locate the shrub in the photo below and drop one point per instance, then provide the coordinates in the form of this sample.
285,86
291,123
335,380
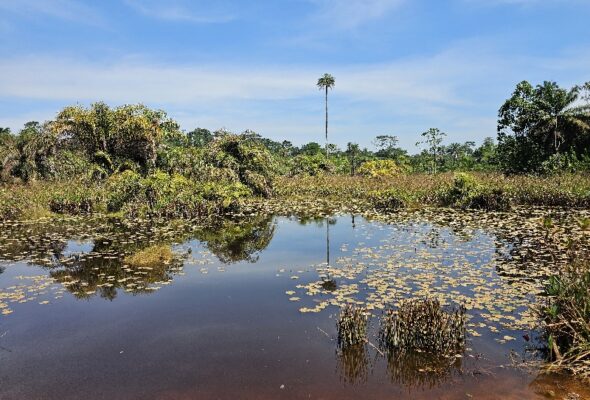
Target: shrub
379,168
566,317
388,200
250,160
423,325
74,200
466,192
122,188
352,326
312,165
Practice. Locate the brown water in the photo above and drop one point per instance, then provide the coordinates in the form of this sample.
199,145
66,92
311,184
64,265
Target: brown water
242,313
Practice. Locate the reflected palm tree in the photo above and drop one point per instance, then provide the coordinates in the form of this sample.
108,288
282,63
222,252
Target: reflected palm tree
328,283
327,242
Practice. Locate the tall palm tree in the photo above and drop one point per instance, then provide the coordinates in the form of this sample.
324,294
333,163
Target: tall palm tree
326,82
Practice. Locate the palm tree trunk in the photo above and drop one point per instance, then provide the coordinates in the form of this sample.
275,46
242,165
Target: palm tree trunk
326,123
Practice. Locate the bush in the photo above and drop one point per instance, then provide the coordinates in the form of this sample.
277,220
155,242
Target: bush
388,200
74,200
566,317
379,168
251,161
465,192
311,165
122,188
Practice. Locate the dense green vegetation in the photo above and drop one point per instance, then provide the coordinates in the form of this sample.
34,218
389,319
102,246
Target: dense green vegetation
136,161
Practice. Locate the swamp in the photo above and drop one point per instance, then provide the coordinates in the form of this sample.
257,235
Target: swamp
296,199
247,306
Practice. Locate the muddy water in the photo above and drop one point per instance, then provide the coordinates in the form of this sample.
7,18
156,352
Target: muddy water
244,311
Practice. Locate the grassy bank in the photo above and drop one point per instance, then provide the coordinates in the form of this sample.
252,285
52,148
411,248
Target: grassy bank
477,190
171,195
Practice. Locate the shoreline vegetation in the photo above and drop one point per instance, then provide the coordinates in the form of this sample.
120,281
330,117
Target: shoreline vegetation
133,162
160,195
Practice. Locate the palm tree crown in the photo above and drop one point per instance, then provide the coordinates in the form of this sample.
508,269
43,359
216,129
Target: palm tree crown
326,82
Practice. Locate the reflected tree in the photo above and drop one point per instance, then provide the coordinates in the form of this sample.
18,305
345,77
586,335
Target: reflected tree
234,241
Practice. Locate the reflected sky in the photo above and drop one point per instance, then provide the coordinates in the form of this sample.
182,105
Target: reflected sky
218,322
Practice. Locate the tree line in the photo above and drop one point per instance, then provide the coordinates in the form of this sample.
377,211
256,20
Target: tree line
541,129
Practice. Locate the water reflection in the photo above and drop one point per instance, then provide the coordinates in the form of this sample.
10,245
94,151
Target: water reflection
88,258
352,364
420,370
234,241
86,276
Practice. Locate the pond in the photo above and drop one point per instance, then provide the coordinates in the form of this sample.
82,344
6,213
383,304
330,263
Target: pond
247,307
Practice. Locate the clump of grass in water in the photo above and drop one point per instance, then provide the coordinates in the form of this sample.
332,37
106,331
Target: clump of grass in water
424,326
352,326
566,317
151,257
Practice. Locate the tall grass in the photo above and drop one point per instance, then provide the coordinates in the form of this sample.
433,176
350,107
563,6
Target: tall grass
566,317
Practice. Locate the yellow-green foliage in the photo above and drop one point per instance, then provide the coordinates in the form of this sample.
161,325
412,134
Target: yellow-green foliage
249,160
379,168
157,256
75,200
567,319
23,202
388,200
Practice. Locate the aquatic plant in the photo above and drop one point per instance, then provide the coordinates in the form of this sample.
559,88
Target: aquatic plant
566,319
423,325
156,256
352,326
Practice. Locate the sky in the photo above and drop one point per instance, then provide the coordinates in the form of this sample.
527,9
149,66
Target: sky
401,66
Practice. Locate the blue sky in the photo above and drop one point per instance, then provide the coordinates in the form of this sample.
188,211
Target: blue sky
401,66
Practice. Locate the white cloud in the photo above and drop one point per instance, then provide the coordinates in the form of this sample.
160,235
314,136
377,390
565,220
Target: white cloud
347,14
458,90
178,11
62,9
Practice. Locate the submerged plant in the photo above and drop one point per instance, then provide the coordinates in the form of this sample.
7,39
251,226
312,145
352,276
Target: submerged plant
352,326
424,326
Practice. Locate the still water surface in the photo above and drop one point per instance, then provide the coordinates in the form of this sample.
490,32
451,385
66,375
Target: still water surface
248,310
